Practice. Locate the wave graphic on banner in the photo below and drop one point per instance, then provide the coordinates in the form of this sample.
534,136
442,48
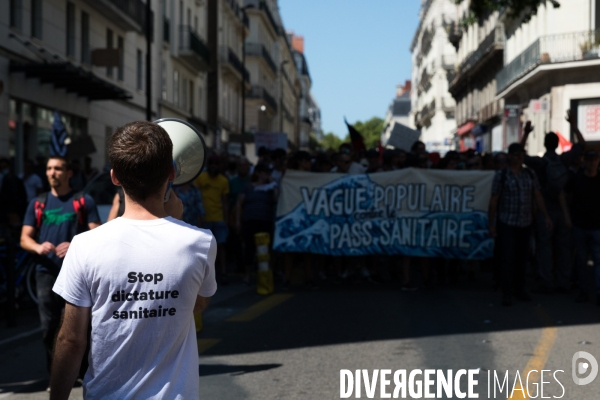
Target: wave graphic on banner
429,234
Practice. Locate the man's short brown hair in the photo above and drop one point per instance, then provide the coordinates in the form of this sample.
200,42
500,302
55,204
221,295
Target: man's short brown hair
141,156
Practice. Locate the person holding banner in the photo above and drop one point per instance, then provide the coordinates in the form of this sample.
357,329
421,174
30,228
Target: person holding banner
511,216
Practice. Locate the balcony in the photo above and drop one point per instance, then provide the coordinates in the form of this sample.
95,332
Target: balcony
262,6
129,15
490,49
192,49
428,111
258,50
239,13
229,60
166,30
548,50
258,92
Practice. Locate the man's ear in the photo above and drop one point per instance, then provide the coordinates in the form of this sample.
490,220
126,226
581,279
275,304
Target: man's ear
114,179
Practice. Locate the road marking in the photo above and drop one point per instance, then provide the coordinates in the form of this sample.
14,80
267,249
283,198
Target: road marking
205,344
20,336
539,357
260,308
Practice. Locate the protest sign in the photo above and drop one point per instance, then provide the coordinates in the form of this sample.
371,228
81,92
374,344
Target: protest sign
402,137
415,212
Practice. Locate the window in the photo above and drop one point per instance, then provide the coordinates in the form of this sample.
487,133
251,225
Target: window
163,80
36,19
597,15
140,73
70,29
109,45
16,14
120,46
176,87
196,24
85,38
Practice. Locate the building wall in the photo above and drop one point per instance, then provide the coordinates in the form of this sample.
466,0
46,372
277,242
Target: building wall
436,131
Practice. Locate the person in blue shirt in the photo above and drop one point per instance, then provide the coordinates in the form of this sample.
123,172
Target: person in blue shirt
50,224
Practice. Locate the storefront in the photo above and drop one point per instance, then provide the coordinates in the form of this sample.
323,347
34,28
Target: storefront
30,132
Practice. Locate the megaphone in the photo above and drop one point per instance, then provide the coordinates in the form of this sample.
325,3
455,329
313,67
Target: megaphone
189,149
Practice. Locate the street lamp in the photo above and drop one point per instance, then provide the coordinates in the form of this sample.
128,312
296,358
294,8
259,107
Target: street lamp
281,94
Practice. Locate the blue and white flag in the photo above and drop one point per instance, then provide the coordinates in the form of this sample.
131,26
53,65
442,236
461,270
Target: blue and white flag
58,147
414,212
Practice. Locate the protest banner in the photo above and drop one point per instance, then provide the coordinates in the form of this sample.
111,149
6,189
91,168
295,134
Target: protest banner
414,212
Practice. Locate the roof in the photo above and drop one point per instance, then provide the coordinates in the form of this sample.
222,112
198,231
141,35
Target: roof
401,106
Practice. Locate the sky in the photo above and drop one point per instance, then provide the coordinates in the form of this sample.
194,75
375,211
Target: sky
357,52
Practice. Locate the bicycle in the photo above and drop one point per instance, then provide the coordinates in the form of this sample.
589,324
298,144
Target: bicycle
24,272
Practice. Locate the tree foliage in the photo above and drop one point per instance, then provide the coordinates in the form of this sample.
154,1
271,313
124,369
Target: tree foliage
480,9
330,141
370,131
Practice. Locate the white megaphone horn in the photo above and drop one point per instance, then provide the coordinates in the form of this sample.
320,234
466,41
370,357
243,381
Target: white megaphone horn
189,149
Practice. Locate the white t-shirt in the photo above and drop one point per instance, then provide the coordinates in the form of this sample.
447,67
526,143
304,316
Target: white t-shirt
141,280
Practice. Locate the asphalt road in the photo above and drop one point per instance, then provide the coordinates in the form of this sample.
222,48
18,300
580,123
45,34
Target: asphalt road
292,345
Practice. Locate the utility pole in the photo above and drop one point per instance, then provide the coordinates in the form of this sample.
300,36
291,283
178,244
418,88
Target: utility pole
281,95
149,24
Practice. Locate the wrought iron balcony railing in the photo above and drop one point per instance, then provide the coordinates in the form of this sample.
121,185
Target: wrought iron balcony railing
259,92
550,49
258,50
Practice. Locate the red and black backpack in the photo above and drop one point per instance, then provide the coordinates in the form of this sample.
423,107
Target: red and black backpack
78,206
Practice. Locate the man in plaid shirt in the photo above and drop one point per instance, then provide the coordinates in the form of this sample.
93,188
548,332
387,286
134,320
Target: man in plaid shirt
511,216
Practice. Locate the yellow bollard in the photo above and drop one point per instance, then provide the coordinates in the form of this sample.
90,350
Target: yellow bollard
264,284
198,321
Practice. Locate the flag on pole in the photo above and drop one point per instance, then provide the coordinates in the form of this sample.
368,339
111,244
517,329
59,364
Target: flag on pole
58,145
355,137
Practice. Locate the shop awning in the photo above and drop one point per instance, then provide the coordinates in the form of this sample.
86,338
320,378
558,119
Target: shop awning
465,128
74,79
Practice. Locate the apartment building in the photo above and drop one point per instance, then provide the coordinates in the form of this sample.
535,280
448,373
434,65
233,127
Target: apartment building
551,64
84,59
398,112
272,102
261,51
184,61
480,56
433,61
228,77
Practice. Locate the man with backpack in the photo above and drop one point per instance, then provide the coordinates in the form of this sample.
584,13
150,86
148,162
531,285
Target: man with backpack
51,221
553,176
514,191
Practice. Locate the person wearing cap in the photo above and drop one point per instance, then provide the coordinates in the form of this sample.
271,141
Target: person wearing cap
514,191
215,188
585,192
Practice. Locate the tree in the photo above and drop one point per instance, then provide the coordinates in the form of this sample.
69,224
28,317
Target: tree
480,9
331,141
371,131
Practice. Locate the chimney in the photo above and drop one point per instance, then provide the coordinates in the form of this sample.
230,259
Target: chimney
401,89
298,43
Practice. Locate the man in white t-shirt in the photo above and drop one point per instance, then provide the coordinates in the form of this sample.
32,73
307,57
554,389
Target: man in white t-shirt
139,278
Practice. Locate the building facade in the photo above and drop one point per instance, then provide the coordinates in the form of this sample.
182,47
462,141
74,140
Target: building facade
398,112
84,59
552,64
433,61
480,56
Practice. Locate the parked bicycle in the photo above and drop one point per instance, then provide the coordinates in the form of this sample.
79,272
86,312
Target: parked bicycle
24,273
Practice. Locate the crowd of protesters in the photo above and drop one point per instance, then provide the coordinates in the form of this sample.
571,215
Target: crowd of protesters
543,215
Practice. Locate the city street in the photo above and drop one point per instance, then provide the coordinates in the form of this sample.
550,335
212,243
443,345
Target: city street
292,345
